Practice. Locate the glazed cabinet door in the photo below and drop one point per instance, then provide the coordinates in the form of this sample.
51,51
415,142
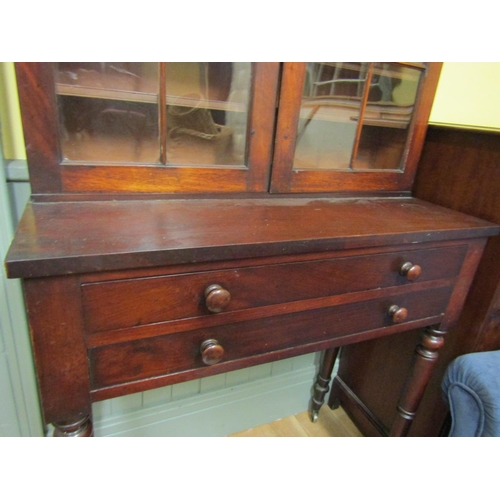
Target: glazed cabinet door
351,126
148,127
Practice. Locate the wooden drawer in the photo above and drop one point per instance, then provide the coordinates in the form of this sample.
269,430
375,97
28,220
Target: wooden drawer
180,352
134,302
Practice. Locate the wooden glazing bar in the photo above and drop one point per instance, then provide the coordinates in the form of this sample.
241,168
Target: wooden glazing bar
162,112
362,110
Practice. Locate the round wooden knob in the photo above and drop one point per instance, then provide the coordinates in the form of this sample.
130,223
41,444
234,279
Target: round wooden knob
411,271
398,314
216,298
211,352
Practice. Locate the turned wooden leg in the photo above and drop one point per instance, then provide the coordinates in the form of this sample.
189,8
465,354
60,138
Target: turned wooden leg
321,386
80,428
424,360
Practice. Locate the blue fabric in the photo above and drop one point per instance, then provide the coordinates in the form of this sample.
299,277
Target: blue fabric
471,388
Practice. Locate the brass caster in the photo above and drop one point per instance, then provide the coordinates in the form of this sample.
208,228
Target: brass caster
314,416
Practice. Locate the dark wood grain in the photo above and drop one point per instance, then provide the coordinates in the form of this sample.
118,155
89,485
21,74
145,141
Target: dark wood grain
143,359
196,267
424,360
116,289
462,287
49,175
95,339
459,169
369,386
358,395
133,302
292,81
382,368
362,111
152,179
366,421
420,121
55,319
260,132
398,314
100,236
162,111
217,298
267,357
411,271
211,352
39,117
321,386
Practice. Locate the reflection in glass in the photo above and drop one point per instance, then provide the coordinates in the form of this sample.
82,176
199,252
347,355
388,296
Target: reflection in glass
108,112
329,115
207,112
336,96
391,99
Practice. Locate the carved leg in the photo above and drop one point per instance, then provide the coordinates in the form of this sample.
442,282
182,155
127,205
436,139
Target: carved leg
424,360
80,428
321,386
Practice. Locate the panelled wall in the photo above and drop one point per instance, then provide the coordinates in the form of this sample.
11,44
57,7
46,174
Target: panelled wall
459,169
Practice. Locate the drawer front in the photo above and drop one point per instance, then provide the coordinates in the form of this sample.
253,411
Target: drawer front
133,302
169,354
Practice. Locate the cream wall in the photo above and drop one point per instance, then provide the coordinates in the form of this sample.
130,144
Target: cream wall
468,95
10,115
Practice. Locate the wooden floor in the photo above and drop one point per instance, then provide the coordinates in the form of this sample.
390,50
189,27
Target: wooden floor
331,423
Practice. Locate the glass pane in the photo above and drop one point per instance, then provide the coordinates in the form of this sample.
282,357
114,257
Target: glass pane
329,115
207,112
393,91
108,112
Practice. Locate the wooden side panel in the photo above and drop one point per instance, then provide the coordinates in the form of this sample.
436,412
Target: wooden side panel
460,170
374,372
55,319
469,267
37,99
480,326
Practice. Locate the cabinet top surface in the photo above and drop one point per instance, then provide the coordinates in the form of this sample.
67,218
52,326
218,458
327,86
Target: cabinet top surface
79,237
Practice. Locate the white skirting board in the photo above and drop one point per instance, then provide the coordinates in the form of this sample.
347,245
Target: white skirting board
216,412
